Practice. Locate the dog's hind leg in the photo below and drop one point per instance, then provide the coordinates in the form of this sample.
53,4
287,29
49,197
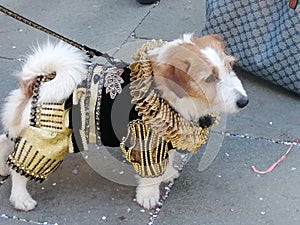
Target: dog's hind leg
20,197
6,147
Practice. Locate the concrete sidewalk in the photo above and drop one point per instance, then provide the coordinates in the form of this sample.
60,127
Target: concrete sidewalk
226,193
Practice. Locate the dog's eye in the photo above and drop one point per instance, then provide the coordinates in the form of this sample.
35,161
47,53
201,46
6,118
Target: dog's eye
214,76
211,79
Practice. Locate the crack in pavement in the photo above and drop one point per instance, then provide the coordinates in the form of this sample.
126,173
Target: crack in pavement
132,33
284,142
154,213
11,59
4,216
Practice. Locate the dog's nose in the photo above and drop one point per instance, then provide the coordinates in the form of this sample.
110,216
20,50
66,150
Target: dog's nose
242,102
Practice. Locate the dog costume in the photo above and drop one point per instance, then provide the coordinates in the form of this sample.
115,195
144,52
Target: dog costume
152,129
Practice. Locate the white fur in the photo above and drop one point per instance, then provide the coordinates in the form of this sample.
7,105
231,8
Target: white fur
147,192
229,87
191,108
70,67
10,113
161,52
68,63
186,38
5,150
20,197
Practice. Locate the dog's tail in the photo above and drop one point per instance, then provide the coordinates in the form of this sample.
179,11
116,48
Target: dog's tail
68,63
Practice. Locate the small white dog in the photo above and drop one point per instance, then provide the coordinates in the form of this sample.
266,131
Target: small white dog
193,76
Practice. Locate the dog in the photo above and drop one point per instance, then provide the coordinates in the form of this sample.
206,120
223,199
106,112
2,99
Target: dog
193,75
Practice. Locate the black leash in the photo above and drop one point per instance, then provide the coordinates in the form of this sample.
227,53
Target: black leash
89,51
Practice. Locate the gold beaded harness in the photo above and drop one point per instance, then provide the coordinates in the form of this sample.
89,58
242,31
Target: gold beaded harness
41,147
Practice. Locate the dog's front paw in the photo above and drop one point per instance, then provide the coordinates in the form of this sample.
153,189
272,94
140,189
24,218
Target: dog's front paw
147,196
23,202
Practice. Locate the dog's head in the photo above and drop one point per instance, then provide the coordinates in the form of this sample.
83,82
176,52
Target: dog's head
196,77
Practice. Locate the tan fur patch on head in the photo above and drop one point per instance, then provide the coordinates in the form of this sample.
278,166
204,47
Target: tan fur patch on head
27,87
212,40
229,61
180,70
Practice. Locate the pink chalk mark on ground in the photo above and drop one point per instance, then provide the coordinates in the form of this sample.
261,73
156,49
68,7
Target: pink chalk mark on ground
272,167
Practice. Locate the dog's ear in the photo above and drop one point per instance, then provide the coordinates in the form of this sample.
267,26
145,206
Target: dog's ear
213,40
171,78
179,71
27,87
216,37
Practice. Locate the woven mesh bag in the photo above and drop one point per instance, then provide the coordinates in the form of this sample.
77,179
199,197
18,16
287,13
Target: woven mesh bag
262,34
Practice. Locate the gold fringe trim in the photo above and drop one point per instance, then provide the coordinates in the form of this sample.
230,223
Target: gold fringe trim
39,152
